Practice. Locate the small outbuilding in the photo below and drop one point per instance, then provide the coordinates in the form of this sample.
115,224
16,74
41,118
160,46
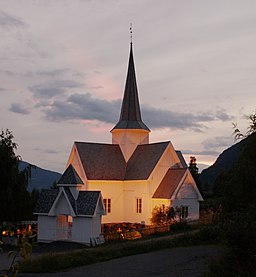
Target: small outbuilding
67,214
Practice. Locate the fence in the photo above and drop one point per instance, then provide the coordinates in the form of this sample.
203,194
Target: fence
136,233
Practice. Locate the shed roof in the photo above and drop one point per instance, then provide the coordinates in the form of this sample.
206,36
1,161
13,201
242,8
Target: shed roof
169,183
46,200
85,205
70,177
86,202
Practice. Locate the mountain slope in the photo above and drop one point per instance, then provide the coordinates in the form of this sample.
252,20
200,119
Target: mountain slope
224,163
40,178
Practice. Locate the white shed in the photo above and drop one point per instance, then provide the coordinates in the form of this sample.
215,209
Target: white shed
70,215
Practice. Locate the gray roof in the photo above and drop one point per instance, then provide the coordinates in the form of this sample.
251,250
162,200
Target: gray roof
46,200
144,160
182,160
70,177
130,116
106,161
85,204
169,183
101,161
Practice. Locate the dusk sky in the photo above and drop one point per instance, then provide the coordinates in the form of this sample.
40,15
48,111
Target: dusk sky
63,66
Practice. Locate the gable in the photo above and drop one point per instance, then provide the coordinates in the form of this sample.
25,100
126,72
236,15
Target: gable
86,203
143,160
62,206
187,191
101,161
170,183
61,201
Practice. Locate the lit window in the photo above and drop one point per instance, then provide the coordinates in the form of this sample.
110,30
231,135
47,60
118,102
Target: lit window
139,205
184,211
107,205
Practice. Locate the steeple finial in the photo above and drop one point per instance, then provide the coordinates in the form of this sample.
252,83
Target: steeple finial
131,32
130,116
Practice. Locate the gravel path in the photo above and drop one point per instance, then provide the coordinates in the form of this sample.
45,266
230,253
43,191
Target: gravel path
183,261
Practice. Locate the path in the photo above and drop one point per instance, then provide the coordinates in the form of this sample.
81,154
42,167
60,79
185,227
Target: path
174,262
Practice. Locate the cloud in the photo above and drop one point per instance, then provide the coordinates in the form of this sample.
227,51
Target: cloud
53,88
218,142
59,73
202,153
211,146
19,108
7,20
47,151
84,106
159,118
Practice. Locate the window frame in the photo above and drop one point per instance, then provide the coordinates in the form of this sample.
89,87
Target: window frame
107,205
184,212
139,205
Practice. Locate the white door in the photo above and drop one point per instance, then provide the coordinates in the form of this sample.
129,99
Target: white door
64,227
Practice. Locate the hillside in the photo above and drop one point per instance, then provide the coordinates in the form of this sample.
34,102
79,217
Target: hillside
40,178
224,163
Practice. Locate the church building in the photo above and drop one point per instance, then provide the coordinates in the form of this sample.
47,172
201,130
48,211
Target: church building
129,177
133,175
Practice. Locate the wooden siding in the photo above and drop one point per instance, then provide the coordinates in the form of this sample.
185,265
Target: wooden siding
46,228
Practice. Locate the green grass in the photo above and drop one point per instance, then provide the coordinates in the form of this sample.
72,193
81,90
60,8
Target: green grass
108,251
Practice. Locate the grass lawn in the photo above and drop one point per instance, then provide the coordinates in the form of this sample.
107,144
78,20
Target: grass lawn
55,262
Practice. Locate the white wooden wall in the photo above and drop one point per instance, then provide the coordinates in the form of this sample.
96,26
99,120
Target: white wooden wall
46,228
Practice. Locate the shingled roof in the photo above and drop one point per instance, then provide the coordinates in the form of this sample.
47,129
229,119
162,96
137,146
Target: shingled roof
130,116
169,183
106,162
101,161
144,160
46,200
70,177
85,204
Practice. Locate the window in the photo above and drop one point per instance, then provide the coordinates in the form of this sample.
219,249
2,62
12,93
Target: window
139,205
107,204
184,212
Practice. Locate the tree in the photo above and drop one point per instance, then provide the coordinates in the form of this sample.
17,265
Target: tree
164,215
236,190
250,129
193,166
194,171
15,200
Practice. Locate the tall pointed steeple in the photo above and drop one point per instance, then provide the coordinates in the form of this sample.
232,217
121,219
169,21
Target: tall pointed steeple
130,131
130,116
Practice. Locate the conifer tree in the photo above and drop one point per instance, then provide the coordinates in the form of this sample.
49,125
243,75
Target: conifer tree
15,201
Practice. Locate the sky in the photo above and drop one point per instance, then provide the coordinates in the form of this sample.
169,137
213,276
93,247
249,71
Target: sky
63,67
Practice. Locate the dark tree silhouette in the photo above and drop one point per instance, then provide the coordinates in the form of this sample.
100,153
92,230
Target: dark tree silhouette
250,129
15,200
194,171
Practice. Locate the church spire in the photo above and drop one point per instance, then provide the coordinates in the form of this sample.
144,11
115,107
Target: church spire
130,116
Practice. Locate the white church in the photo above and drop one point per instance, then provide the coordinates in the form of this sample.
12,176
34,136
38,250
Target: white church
119,182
